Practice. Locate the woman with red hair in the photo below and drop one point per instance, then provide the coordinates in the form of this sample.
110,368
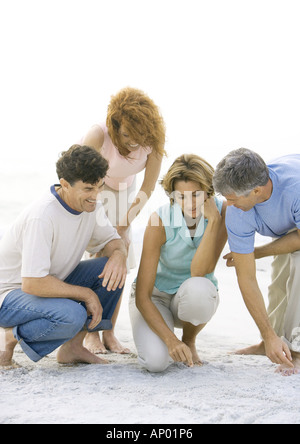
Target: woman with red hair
132,140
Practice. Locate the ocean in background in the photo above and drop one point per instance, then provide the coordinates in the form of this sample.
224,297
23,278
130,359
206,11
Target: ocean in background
21,183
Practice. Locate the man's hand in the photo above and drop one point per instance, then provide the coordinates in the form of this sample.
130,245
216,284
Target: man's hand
51,287
94,308
278,351
229,260
115,271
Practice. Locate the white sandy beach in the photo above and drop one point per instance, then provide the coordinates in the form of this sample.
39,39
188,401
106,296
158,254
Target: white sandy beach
228,389
225,75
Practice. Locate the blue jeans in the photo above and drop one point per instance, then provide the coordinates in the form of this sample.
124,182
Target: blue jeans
41,325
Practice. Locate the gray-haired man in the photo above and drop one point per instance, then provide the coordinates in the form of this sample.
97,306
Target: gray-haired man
265,199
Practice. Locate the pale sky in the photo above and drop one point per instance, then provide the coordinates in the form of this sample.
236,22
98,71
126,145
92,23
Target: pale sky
225,73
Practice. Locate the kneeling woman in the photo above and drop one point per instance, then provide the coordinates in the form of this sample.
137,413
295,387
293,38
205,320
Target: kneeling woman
176,286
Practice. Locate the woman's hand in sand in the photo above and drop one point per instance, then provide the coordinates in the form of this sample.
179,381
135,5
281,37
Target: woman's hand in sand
180,352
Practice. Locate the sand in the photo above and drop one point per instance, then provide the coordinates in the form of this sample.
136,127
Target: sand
228,389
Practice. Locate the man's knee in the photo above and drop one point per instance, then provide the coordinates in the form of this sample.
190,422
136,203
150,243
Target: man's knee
73,319
197,300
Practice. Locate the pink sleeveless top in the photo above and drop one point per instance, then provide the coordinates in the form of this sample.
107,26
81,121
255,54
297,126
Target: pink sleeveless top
122,170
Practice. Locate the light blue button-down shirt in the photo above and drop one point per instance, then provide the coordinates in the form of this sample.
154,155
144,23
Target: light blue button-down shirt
177,253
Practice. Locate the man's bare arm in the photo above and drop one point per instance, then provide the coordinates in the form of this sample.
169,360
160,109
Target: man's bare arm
276,350
115,271
51,287
285,245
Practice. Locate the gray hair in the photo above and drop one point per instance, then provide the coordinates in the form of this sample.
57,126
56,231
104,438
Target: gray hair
240,172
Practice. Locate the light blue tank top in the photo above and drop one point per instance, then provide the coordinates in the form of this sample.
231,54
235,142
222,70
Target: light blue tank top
177,253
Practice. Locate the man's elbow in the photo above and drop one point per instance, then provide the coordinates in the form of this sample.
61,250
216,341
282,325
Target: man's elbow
31,285
25,289
27,286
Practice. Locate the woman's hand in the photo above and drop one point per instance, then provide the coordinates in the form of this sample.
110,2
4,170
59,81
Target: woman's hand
209,209
180,352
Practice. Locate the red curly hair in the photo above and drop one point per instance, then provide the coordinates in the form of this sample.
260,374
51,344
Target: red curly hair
140,118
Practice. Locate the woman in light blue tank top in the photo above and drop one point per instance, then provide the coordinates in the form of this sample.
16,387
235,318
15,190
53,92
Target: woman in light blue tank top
176,286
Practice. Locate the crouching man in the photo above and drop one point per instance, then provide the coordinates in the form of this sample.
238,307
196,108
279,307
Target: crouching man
265,199
49,297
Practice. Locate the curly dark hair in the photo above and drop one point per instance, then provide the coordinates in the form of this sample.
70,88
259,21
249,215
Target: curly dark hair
81,163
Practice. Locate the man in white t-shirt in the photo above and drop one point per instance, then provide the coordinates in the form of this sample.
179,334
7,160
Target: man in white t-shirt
49,297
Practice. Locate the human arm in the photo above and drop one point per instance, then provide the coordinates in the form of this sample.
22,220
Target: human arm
52,287
105,241
113,275
36,277
94,138
154,239
213,241
115,271
152,171
276,350
37,251
285,245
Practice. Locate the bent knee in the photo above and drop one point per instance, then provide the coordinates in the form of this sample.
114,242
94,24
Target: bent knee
155,361
198,301
74,316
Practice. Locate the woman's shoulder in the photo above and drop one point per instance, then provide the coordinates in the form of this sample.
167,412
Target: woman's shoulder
94,137
155,231
164,213
169,219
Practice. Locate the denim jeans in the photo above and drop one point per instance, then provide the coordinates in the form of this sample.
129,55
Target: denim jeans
41,325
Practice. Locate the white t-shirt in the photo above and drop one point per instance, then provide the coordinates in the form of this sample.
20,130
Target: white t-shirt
49,238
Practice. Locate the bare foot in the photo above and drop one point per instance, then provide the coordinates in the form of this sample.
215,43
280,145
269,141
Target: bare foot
7,346
112,344
196,359
258,349
284,370
73,352
93,343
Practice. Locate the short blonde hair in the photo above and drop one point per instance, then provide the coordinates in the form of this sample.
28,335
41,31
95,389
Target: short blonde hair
189,167
141,119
